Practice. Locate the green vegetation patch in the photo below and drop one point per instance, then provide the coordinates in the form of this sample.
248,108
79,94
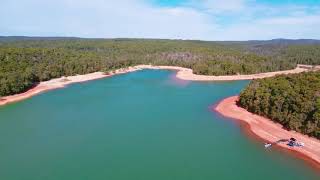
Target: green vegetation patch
291,100
25,61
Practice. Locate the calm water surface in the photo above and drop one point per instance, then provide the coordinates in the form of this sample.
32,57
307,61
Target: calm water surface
139,126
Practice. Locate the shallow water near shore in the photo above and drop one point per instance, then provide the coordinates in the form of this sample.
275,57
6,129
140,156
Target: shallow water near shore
142,125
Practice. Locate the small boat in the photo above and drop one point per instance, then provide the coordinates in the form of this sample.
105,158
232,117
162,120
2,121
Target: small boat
267,145
294,143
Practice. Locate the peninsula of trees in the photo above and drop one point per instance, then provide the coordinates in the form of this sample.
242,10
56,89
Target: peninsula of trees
26,61
291,100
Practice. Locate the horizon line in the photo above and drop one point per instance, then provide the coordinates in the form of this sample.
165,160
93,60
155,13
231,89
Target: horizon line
137,38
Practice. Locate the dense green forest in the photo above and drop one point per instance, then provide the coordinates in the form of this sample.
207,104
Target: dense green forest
24,61
291,100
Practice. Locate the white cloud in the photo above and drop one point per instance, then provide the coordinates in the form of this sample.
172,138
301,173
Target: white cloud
121,18
292,20
307,26
241,19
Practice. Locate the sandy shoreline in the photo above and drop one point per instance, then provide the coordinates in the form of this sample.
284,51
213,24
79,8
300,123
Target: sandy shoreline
60,83
187,74
270,131
182,73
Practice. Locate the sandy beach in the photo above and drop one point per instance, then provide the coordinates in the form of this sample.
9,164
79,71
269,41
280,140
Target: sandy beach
61,83
270,131
182,73
187,74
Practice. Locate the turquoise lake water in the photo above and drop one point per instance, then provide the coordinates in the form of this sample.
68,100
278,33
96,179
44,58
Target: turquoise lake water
145,125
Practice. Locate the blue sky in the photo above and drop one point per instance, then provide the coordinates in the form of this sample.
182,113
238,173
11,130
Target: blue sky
174,3
170,19
168,3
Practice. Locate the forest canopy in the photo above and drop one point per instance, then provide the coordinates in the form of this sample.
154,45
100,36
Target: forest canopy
291,100
25,61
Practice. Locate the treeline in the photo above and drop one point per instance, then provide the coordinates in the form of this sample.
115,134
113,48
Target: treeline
21,68
24,61
291,100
